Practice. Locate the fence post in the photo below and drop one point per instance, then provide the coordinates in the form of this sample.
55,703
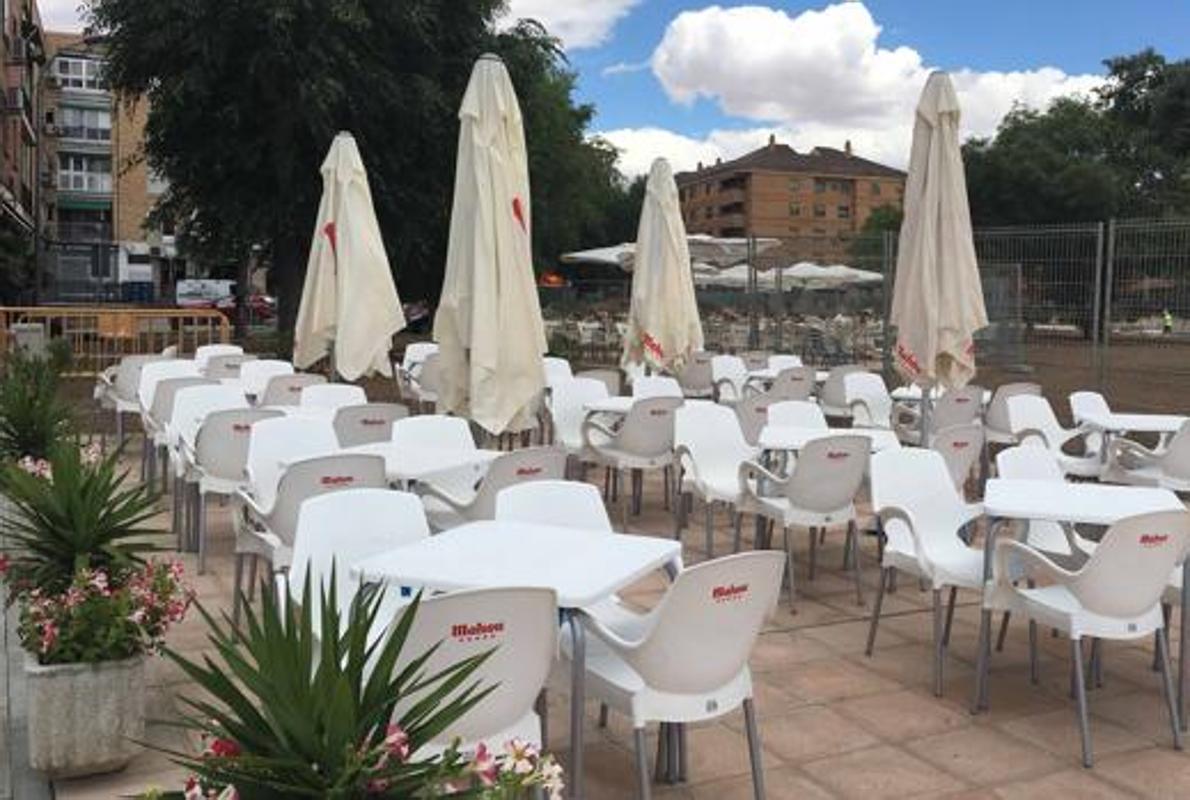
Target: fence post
1096,354
887,266
1109,272
751,291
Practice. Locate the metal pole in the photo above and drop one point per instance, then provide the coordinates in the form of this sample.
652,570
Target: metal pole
1096,356
1106,288
887,265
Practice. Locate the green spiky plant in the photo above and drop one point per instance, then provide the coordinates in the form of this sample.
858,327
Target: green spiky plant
33,418
87,514
291,714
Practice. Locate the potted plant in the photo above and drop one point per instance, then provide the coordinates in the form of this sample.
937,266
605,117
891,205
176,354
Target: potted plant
33,419
288,714
90,605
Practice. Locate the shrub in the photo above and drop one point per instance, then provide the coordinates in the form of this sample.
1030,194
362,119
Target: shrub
33,419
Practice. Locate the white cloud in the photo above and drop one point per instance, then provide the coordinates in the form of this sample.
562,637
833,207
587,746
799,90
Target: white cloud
61,15
621,67
578,23
817,77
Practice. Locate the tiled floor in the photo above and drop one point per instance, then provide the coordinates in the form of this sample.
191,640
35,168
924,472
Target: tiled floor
834,723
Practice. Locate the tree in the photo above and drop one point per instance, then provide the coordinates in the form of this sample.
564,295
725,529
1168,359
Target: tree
867,248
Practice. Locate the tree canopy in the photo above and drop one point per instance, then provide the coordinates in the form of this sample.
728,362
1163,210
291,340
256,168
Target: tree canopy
244,99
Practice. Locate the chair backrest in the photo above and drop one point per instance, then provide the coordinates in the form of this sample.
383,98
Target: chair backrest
286,390
338,530
332,396
1175,463
1084,404
916,480
703,630
221,441
783,361
713,435
416,353
695,376
733,370
154,372
957,407
755,359
752,413
556,370
429,376
206,352
318,475
227,365
192,404
1030,412
794,383
868,399
436,431
1129,570
568,407
367,422
829,473
656,386
961,447
128,374
519,626
255,375
797,414
511,469
996,417
167,391
833,394
569,504
612,378
273,443
648,429
1029,462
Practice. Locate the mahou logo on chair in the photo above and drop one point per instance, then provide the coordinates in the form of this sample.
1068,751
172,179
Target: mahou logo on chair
836,455
1153,539
729,593
366,421
476,632
527,472
336,480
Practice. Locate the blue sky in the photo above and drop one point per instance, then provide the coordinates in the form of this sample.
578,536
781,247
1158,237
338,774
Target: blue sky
693,81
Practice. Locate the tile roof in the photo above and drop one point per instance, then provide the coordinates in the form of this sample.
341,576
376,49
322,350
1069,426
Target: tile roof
783,158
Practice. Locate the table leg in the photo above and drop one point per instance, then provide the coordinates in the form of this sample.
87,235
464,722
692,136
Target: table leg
980,700
578,677
1183,634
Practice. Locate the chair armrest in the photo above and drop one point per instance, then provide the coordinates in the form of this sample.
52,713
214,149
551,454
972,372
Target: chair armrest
609,637
718,385
972,511
868,420
590,424
751,471
685,461
1025,434
1032,562
250,502
1129,454
430,490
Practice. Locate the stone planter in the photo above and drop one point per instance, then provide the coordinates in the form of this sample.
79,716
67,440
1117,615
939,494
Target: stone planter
84,719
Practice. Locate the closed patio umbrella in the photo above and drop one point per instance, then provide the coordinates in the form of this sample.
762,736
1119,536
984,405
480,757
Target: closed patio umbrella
938,302
663,324
350,307
488,326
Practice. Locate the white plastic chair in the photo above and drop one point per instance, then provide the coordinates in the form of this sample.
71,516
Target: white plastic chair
226,366
709,449
255,375
567,410
439,432
332,396
1169,467
752,413
729,374
797,414
648,386
367,423
644,441
419,386
120,387
1086,404
995,420
415,355
286,389
207,351
921,515
793,383
868,400
613,379
696,377
556,370
519,626
820,492
1115,595
1030,417
955,407
1036,463
448,509
781,361
154,372
961,447
568,504
686,660
274,443
833,397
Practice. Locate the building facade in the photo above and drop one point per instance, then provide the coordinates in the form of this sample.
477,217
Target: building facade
821,197
23,51
99,191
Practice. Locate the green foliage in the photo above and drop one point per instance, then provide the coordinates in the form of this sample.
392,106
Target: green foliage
868,246
32,416
303,716
86,515
16,265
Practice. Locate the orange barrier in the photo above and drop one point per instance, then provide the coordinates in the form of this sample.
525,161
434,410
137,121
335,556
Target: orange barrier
100,337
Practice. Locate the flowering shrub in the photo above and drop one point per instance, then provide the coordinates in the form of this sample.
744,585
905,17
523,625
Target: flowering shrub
94,620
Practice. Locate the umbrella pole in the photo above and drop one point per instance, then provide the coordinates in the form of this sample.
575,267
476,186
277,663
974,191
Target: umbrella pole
927,399
333,365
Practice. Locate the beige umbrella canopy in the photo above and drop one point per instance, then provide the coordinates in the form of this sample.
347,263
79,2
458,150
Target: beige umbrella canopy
663,324
488,325
350,309
937,301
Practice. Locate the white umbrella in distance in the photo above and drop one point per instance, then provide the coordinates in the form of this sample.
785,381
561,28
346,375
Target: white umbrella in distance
937,301
663,324
350,307
488,326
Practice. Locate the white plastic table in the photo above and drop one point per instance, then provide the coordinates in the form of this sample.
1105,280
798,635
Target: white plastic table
788,437
912,394
1134,423
768,375
582,567
1070,503
403,464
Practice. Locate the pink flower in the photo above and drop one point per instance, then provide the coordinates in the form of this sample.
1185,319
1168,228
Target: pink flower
551,779
99,581
91,454
520,757
3,563
484,765
192,791
49,635
396,742
137,617
222,748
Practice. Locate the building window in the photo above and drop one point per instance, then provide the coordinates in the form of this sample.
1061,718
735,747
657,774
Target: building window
93,124
80,73
795,210
79,172
710,212
875,188
819,210
844,212
819,185
794,185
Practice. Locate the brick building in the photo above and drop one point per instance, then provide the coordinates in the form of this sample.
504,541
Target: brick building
824,195
23,53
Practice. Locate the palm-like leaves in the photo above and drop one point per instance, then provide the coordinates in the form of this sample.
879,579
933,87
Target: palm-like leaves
87,516
304,710
32,417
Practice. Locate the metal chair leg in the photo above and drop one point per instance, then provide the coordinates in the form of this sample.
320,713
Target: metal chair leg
1034,672
1003,631
603,715
200,529
737,522
789,569
238,594
884,576
542,706
1080,691
938,647
853,537
1167,686
642,764
754,756
954,590
710,528
252,578
813,554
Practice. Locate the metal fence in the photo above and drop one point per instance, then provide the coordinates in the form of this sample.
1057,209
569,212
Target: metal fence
1101,305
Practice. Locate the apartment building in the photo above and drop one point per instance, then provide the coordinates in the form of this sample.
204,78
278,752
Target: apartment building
23,53
821,197
99,190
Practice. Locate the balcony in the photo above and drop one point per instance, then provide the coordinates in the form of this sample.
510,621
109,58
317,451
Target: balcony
734,219
83,232
80,133
731,196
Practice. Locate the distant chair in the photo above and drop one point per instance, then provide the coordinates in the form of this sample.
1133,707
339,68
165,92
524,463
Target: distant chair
1032,420
868,400
961,447
332,396
254,375
566,504
833,396
227,366
367,423
286,390
696,377
644,441
648,386
793,383
729,374
446,509
1132,463
996,424
613,379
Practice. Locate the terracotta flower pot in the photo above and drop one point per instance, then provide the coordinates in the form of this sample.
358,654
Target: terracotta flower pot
84,719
